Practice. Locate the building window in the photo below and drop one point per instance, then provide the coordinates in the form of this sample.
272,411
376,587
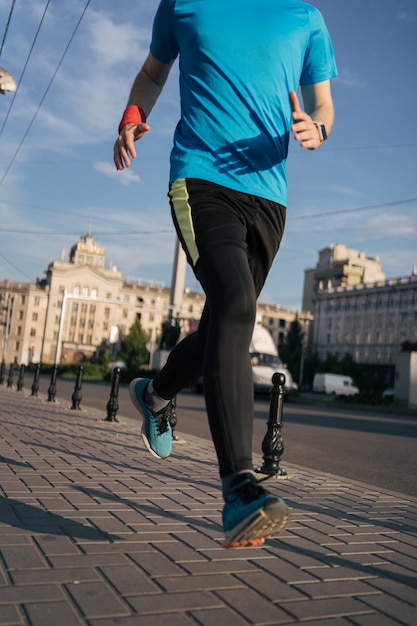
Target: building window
22,299
21,314
33,332
94,293
34,317
36,301
76,290
17,345
281,323
83,308
19,330
107,312
85,291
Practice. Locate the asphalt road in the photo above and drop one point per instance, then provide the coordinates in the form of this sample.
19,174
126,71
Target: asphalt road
378,449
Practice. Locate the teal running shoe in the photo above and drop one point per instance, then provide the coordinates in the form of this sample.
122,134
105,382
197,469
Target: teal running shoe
156,427
251,514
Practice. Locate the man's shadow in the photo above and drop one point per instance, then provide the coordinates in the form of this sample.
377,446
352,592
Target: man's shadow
37,520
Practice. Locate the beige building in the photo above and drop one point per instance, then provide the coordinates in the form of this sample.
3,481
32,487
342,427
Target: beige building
339,266
81,306
278,320
370,321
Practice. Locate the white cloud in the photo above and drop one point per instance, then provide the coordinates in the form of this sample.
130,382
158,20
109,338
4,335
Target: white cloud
124,177
348,78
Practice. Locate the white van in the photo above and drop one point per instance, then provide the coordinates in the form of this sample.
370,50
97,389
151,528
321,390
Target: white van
266,362
336,384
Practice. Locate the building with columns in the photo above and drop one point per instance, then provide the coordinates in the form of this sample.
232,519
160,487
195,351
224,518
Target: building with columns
81,307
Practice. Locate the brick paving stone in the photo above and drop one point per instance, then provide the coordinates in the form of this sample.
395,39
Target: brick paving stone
321,609
97,599
169,619
218,617
253,607
389,605
10,616
202,582
174,602
376,619
96,530
129,579
47,614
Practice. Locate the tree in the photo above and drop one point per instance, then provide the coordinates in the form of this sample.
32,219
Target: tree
133,350
291,350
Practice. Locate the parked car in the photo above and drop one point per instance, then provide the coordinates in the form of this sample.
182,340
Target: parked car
388,395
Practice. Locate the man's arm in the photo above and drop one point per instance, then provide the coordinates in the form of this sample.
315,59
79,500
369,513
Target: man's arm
144,93
318,105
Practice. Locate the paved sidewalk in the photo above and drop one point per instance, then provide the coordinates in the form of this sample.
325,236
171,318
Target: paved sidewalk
94,531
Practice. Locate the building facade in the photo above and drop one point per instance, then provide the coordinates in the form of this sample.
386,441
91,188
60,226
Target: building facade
81,307
370,321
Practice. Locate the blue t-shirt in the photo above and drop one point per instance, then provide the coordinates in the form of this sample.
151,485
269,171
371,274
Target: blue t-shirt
238,61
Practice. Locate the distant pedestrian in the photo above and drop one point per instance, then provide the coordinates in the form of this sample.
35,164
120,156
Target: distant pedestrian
240,62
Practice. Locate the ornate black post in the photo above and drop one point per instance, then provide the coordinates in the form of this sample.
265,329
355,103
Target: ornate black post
273,445
35,384
52,384
77,395
10,376
2,371
173,418
113,403
21,378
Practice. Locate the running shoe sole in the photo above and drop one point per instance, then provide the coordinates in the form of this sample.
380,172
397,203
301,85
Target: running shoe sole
264,523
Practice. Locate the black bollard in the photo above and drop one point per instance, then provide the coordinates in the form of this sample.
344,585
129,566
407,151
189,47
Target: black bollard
10,376
77,395
272,445
173,418
2,372
35,384
20,380
52,384
113,403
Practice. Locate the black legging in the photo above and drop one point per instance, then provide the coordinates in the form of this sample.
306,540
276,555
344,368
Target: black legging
226,329
232,276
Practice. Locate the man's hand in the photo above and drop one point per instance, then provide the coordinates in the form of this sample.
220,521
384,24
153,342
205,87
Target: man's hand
124,148
304,129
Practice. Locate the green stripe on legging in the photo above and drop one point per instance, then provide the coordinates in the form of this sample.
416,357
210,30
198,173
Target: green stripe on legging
179,198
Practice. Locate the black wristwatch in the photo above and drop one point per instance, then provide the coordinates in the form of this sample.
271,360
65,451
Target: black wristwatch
322,130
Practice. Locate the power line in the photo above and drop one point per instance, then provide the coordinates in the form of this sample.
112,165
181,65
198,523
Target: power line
14,266
355,210
24,67
45,92
7,26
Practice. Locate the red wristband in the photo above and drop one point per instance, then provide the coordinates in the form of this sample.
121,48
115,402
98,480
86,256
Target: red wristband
133,115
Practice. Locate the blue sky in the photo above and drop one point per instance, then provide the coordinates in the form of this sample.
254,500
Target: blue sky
57,178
